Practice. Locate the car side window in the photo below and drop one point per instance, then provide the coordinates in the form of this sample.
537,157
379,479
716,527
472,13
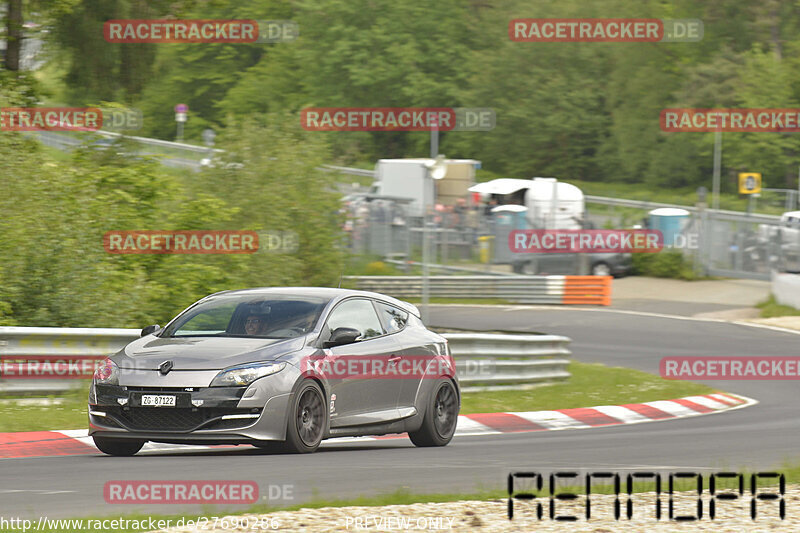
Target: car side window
393,319
358,314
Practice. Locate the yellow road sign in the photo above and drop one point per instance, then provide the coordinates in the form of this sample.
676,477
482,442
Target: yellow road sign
749,182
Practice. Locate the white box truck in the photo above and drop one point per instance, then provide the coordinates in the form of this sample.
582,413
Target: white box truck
406,178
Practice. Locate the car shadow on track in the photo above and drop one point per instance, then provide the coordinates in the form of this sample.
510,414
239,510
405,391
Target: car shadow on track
249,450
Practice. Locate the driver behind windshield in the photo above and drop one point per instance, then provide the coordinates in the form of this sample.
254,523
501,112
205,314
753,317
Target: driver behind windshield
254,325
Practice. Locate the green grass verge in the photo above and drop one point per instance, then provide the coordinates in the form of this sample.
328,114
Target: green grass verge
770,308
590,384
70,414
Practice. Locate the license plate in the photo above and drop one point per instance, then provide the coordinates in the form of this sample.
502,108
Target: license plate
153,400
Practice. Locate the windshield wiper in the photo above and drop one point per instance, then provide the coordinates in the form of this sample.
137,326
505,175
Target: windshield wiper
245,336
197,335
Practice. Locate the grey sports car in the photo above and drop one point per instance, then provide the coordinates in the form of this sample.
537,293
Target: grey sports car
278,368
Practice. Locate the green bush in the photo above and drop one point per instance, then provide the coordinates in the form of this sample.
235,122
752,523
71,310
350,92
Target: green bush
55,271
379,268
664,264
771,308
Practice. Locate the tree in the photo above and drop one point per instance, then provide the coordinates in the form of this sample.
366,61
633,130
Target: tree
13,34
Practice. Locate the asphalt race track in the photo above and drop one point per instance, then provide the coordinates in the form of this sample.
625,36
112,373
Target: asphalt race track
758,437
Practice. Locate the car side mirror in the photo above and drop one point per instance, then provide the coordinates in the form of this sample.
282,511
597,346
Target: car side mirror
341,336
150,329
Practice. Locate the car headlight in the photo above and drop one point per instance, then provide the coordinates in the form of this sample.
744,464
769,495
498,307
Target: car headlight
245,374
107,373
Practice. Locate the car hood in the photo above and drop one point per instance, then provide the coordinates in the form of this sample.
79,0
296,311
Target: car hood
202,353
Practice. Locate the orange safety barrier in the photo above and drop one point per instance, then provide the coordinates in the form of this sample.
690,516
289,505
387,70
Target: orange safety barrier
594,290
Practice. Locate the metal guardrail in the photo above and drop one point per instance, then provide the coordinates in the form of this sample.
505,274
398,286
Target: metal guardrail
591,290
348,170
721,214
68,141
482,359
434,266
74,344
485,360
147,141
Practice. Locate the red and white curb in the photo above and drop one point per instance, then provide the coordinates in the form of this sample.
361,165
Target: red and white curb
600,416
77,441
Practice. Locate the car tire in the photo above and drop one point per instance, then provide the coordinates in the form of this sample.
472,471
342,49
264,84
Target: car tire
307,419
601,269
118,447
440,419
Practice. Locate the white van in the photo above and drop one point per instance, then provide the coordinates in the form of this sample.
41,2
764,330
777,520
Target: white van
553,204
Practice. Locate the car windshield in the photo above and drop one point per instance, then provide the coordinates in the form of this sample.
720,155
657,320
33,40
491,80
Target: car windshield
267,316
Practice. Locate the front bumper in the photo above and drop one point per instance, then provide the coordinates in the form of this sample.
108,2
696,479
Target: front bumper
201,414
195,409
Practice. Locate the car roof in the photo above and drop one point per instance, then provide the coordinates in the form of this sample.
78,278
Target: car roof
328,293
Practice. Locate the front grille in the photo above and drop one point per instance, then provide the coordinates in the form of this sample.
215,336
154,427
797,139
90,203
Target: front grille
174,419
162,418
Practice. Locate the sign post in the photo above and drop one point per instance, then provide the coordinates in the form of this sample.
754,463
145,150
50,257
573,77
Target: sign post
180,118
750,184
208,137
435,169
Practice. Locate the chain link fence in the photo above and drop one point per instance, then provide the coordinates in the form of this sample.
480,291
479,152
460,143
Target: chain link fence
713,242
383,227
717,242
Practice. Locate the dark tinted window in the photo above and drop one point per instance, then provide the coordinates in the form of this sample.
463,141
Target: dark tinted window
246,315
357,314
392,318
